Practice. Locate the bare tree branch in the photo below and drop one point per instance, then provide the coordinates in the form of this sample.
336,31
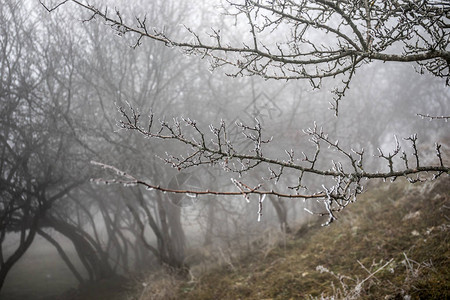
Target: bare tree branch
323,38
348,169
428,116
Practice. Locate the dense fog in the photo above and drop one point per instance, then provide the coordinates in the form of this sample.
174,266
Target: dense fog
64,143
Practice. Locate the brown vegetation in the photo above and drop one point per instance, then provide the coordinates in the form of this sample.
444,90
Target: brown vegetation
393,243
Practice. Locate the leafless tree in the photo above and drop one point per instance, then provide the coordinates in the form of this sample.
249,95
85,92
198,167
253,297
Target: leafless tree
151,79
37,168
309,40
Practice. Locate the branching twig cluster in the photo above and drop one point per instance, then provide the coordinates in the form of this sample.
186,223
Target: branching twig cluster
321,38
215,148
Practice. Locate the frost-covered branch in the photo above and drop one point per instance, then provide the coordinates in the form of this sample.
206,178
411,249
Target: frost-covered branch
430,117
321,38
215,148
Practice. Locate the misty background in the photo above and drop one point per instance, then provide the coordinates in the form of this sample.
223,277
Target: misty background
62,82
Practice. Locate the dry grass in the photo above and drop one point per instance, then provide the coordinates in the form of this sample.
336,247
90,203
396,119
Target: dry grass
160,285
393,244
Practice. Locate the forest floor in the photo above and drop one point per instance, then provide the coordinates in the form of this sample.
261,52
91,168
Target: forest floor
394,243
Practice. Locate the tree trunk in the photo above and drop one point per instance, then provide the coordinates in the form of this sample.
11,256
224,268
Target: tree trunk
25,243
94,260
281,210
63,255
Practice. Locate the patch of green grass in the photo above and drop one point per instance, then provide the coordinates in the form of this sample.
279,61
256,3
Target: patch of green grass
393,242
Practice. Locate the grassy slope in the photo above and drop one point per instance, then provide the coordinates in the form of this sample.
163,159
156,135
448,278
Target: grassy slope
400,222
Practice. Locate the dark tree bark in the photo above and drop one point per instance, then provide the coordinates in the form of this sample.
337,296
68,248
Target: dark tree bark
63,255
94,259
27,235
